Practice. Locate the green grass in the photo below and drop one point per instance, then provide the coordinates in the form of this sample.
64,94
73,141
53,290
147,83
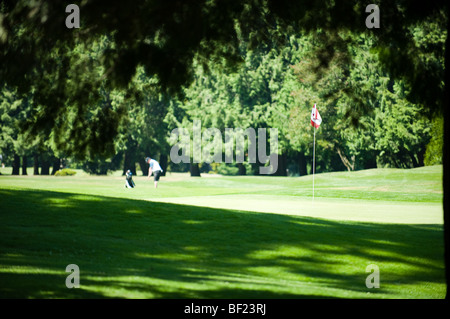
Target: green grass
223,237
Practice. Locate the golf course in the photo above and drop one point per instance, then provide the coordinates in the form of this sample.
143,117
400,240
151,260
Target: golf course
221,237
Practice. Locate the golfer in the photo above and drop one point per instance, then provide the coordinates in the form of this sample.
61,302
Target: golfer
154,168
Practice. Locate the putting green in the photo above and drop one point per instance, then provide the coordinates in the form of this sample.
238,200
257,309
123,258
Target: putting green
336,209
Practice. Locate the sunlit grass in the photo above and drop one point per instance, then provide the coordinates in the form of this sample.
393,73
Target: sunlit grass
128,246
414,185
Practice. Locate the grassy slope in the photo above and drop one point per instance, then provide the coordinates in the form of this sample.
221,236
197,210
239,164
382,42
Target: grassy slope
416,185
141,249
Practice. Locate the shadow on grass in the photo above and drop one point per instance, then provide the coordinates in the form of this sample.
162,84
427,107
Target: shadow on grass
139,249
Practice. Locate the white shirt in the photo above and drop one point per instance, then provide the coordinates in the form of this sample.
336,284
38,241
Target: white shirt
154,165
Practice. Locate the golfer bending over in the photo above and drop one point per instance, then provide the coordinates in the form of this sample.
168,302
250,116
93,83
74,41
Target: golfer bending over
155,169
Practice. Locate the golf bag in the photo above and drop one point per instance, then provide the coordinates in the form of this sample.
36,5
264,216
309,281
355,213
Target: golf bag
129,180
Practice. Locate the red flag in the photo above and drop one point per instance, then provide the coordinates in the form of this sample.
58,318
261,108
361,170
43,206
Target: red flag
316,119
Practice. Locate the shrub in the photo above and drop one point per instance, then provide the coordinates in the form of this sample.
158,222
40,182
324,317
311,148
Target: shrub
225,169
433,154
65,172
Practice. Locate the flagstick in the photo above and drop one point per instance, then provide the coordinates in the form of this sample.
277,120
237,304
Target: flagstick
314,159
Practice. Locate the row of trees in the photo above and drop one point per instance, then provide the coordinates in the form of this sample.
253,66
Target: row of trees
136,135
368,119
100,102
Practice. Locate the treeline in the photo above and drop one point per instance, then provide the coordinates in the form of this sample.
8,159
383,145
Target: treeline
370,118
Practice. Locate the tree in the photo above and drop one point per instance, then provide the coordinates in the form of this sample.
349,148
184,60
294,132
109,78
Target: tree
13,143
433,153
144,131
401,133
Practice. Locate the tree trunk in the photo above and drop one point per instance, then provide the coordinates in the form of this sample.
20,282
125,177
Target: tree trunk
163,163
16,165
144,166
241,169
194,169
24,165
302,168
414,160
129,162
350,165
421,157
370,160
126,163
35,164
282,166
56,165
45,165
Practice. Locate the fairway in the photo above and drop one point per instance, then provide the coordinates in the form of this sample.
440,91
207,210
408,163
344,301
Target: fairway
336,209
224,236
